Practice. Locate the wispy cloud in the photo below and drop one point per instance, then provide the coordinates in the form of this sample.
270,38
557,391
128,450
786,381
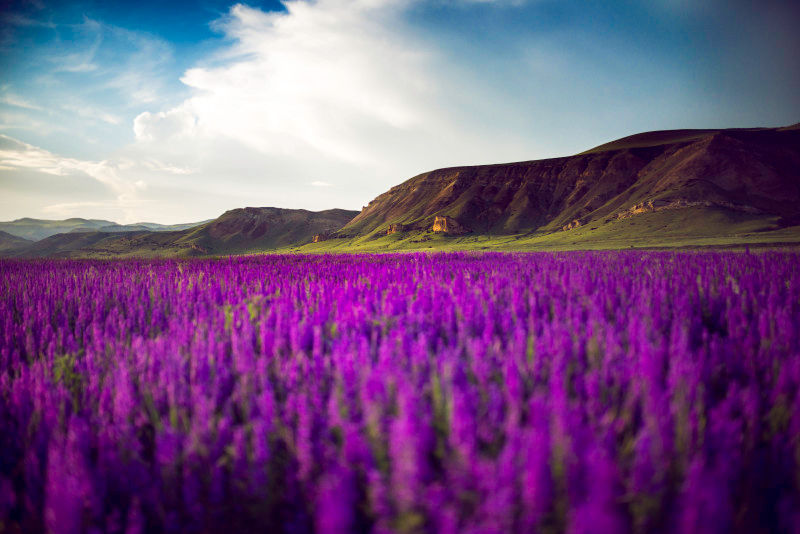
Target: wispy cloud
10,120
16,19
141,73
160,166
110,59
16,154
127,185
79,57
88,79
66,209
10,99
92,113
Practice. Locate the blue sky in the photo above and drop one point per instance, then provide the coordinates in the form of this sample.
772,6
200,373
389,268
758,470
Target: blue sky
177,111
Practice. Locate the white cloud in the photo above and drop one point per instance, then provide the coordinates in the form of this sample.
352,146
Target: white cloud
164,125
126,188
92,113
10,99
156,165
316,78
320,183
16,156
19,120
67,209
343,89
15,19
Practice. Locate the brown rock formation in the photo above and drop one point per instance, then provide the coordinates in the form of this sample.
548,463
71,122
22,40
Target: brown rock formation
661,205
395,228
448,225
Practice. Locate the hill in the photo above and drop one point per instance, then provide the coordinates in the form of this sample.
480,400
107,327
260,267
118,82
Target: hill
10,242
150,227
653,188
255,229
234,232
36,229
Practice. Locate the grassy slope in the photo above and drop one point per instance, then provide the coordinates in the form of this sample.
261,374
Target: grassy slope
9,242
674,228
691,227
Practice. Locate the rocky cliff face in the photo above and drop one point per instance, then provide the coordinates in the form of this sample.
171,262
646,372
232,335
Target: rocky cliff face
755,170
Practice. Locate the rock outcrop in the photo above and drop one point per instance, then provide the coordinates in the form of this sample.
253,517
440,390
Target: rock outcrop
448,225
395,228
661,205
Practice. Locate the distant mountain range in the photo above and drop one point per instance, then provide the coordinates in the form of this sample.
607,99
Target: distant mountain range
655,189
36,229
236,231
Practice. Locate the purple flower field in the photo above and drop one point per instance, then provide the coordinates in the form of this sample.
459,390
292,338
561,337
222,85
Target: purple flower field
640,392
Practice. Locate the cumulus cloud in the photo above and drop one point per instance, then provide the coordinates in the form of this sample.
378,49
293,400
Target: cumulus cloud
344,89
316,78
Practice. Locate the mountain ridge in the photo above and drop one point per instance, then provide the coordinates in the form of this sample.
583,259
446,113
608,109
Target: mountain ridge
38,229
754,171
